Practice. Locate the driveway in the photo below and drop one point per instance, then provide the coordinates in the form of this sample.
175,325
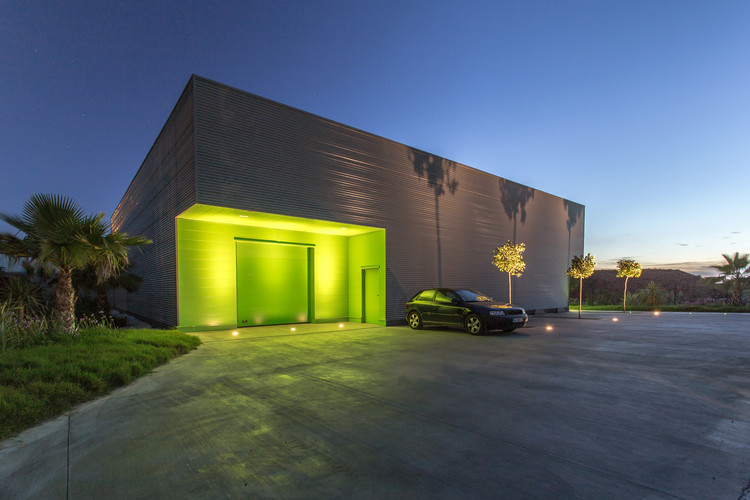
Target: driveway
645,407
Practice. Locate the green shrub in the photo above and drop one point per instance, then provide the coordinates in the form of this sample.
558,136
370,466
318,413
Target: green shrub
19,333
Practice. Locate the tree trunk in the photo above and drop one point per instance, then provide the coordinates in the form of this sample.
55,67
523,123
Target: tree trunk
510,295
102,302
625,294
737,294
65,300
580,296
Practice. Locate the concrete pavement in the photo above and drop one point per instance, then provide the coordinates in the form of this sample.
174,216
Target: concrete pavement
645,407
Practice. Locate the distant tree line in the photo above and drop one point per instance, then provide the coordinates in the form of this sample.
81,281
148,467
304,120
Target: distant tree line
654,286
651,287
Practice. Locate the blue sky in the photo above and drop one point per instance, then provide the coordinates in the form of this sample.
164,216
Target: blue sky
638,110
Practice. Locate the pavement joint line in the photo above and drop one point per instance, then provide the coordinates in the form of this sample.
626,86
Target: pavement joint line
526,447
67,461
267,337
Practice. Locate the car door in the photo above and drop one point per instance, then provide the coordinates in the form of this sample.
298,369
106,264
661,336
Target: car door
448,309
424,304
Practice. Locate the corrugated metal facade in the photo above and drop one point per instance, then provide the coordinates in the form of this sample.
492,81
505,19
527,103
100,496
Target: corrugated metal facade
163,187
442,219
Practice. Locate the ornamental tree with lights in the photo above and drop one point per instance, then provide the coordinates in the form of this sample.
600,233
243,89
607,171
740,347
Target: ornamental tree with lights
627,269
509,259
581,267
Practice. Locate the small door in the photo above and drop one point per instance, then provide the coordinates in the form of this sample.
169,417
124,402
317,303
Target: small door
272,284
370,295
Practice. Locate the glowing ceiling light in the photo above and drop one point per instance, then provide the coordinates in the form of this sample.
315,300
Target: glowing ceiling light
244,216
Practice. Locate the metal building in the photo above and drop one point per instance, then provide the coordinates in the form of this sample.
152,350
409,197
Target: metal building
264,214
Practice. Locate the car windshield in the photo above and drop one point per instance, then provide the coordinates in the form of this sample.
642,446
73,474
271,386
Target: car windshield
473,296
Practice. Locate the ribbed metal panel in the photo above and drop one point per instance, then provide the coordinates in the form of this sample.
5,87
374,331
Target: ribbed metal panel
442,219
163,187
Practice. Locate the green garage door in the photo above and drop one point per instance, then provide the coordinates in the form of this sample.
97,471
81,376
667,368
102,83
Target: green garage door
272,283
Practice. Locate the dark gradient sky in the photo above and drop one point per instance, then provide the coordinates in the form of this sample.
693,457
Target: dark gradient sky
639,110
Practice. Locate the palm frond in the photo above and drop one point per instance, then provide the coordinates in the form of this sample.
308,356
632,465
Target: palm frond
14,247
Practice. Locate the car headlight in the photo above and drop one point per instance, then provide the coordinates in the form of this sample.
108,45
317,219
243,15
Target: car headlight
497,313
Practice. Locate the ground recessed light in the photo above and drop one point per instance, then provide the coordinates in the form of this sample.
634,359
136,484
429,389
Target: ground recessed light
615,319
656,313
341,325
235,333
294,329
549,328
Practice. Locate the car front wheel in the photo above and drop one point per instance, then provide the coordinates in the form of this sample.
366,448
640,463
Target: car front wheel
473,325
415,320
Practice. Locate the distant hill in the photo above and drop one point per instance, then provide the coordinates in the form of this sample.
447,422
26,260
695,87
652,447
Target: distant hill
679,287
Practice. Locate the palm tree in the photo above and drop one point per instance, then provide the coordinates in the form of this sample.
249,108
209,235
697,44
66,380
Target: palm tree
22,295
89,281
735,274
57,232
651,295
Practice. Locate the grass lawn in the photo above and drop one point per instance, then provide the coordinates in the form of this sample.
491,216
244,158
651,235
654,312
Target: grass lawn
42,382
671,308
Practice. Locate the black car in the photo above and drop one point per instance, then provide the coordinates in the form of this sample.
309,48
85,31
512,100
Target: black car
464,308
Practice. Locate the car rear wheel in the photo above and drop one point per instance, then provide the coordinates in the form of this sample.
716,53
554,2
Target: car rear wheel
415,320
473,325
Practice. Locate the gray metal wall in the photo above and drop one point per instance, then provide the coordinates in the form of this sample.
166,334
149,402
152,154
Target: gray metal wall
442,219
225,147
163,187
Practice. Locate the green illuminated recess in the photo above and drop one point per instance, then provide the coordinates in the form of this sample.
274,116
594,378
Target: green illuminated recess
238,268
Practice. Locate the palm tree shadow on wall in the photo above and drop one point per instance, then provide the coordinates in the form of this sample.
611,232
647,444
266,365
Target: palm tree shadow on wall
514,197
440,175
575,212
